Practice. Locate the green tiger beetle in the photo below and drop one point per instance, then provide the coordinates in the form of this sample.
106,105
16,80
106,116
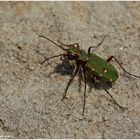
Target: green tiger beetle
91,63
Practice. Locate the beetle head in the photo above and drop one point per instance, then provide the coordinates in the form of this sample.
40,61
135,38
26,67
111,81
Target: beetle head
71,53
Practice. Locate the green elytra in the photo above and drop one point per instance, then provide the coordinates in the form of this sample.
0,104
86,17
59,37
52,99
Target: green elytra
96,65
89,63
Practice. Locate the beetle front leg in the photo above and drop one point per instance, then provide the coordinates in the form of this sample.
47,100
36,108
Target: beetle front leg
111,57
46,59
73,75
85,83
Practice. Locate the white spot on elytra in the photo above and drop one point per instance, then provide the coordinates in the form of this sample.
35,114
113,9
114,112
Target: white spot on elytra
110,80
105,71
93,69
100,75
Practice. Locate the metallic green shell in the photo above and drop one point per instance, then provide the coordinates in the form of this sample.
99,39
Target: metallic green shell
97,65
73,50
101,68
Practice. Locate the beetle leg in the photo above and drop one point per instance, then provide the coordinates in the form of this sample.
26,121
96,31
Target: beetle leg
84,72
121,107
51,58
75,44
73,75
89,49
111,57
80,79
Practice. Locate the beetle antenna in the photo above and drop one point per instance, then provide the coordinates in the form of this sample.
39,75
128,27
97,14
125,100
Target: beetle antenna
52,42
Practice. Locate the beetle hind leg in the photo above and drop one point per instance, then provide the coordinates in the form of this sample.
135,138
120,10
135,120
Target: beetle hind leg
111,57
121,107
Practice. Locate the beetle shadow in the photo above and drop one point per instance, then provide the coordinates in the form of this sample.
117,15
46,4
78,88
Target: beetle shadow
93,83
62,69
65,68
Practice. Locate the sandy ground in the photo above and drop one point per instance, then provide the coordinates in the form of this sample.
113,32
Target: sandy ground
31,93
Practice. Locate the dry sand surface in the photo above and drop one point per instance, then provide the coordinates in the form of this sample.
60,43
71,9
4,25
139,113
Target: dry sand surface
31,93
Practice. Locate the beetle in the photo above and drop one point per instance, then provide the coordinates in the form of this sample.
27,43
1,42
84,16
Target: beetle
89,62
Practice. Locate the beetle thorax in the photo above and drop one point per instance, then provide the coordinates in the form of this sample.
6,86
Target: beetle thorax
73,50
